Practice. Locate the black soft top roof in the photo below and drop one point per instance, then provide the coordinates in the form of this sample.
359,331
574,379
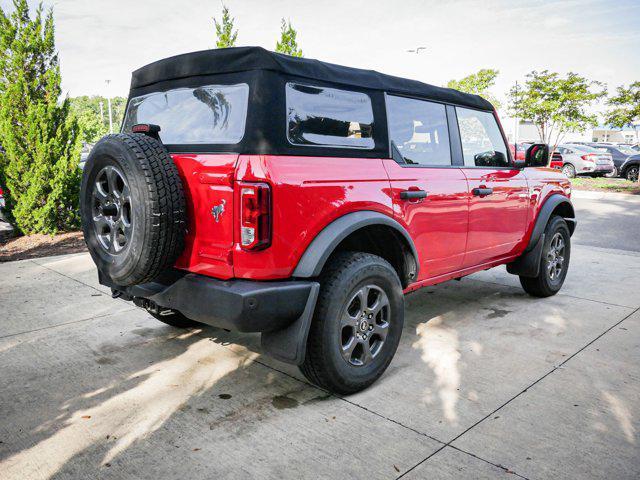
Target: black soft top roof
242,59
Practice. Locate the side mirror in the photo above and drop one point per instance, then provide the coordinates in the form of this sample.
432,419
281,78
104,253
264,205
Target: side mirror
537,155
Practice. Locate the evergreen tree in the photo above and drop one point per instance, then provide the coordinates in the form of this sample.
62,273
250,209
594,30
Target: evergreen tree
287,43
224,30
40,136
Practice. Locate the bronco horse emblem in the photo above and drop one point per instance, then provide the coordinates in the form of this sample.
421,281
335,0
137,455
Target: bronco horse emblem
218,210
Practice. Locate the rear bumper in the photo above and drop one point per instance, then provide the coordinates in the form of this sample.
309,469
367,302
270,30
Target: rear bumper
603,168
239,305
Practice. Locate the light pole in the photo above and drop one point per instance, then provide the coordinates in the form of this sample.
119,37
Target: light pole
517,125
109,106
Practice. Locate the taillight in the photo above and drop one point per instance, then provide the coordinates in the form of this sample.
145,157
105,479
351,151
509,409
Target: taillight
589,157
255,216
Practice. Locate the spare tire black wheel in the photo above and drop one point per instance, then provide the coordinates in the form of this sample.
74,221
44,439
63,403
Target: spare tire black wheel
133,208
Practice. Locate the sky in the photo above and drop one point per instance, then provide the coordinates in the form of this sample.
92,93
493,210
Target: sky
100,40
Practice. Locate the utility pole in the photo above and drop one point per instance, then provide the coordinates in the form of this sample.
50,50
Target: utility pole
101,113
109,106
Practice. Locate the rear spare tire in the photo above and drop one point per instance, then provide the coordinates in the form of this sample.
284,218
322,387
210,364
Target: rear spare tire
133,208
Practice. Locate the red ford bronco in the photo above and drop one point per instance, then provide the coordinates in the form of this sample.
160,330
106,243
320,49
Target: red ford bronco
258,192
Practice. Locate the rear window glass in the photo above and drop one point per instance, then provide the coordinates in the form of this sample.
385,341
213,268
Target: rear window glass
211,114
320,116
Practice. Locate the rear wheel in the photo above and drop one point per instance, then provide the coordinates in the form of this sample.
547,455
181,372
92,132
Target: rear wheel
554,262
569,170
357,323
612,174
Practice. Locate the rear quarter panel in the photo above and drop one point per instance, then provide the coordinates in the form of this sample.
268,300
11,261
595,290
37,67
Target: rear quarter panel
308,193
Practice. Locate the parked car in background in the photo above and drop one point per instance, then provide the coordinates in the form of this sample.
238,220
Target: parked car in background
556,161
584,160
629,169
518,150
2,205
619,153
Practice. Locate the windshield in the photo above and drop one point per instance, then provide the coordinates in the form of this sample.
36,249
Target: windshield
627,150
583,148
211,114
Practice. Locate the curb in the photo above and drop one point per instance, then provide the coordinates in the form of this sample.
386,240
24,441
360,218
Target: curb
587,194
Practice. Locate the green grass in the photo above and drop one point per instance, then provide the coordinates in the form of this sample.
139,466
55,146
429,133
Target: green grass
606,185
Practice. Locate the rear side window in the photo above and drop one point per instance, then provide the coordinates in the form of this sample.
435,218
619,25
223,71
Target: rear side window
482,142
211,114
320,116
419,130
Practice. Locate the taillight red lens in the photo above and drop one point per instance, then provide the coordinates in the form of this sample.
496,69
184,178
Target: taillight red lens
589,157
255,216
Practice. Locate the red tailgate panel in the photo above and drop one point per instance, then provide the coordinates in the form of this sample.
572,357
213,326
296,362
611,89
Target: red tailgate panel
208,183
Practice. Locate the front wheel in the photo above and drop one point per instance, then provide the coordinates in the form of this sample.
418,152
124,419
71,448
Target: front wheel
632,173
357,323
554,262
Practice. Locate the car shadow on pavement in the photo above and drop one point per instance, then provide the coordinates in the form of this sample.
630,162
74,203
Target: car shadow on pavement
144,393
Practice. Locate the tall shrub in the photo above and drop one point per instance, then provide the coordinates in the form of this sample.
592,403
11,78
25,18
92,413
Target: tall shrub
40,136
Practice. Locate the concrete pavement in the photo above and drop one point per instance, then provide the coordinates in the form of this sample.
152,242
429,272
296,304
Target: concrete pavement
487,383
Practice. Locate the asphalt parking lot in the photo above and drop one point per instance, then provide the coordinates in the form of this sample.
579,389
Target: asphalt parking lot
487,383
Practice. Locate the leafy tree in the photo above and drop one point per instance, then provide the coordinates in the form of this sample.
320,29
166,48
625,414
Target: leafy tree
40,136
556,105
288,44
626,108
478,83
93,120
224,30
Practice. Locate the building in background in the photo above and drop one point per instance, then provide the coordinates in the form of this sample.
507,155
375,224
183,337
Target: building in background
605,133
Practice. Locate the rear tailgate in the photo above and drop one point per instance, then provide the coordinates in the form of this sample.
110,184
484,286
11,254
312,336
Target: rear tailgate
208,184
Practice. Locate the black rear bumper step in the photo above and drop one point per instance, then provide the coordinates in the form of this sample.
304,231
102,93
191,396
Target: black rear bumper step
238,305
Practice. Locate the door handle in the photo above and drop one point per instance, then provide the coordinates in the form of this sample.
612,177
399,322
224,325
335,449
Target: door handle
482,191
413,194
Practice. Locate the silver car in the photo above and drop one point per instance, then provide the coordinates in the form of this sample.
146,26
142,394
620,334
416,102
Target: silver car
584,160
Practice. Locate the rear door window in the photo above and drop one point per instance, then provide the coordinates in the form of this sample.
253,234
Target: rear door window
329,117
211,114
419,130
482,142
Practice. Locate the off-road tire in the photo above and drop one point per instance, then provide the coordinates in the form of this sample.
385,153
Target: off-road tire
158,209
543,285
324,364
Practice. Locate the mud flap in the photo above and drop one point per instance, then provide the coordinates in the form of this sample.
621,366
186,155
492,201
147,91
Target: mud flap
528,265
289,344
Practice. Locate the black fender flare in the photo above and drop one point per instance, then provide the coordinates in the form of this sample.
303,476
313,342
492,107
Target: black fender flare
528,264
627,165
318,252
545,214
